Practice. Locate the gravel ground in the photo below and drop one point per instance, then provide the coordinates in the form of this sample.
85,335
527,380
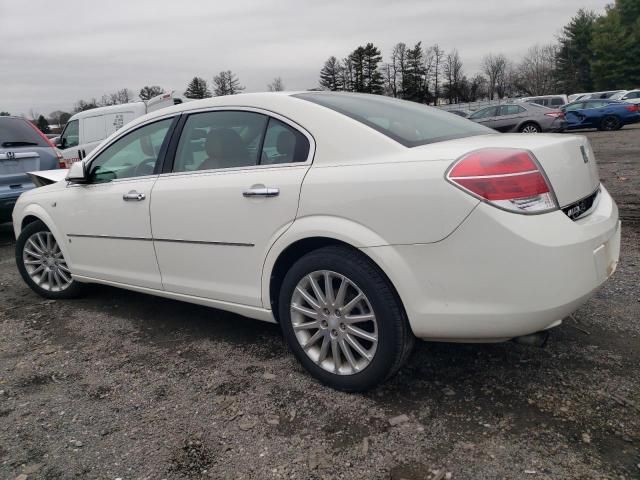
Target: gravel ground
123,385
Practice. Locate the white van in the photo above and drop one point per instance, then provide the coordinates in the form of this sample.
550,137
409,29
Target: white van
85,130
551,101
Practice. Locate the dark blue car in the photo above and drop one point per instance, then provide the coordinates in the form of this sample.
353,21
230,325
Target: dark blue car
22,149
602,114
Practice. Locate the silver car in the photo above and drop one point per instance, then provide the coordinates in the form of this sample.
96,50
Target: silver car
520,117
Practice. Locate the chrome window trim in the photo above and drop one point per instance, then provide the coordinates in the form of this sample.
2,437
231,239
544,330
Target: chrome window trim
263,111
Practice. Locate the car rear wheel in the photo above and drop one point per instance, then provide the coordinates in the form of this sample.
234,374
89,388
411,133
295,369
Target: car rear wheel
42,264
530,128
610,123
343,320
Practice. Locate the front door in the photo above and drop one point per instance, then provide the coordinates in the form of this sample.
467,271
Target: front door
233,189
106,221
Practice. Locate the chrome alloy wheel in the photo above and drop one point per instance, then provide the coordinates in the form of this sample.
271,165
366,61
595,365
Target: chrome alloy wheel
44,262
334,322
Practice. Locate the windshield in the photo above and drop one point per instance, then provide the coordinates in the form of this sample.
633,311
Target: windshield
408,123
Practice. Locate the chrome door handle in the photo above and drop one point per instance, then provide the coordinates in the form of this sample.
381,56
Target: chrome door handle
133,195
261,192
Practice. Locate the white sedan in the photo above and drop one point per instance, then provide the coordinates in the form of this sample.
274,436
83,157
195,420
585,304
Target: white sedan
356,222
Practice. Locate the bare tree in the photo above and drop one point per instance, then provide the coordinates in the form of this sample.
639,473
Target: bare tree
277,85
226,83
493,66
438,55
536,72
397,69
150,91
453,73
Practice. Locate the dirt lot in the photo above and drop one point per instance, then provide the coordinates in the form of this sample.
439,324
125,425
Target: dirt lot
123,385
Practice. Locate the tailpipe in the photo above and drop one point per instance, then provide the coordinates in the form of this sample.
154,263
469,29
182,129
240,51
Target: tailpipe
538,339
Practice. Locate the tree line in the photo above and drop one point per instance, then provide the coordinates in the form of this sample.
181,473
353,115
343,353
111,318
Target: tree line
592,52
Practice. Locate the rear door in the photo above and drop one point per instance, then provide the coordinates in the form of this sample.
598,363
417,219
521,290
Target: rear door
232,191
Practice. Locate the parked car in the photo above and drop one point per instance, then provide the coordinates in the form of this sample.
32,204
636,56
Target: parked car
460,113
600,114
630,96
601,95
23,148
357,222
551,101
85,130
577,96
520,117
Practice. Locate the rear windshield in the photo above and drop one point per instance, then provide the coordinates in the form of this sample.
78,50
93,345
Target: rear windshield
16,132
408,123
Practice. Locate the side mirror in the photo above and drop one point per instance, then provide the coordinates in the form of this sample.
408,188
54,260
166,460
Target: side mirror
77,173
56,141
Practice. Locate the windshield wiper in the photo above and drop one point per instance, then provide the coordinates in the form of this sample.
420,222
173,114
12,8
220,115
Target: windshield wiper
19,144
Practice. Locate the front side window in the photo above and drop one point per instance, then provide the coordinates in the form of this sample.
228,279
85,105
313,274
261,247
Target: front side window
133,155
221,139
408,123
71,135
557,102
484,113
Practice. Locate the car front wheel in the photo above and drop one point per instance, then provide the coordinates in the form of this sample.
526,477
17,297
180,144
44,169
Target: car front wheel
42,264
343,320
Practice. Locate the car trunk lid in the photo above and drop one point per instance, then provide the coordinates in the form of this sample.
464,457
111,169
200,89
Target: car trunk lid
567,160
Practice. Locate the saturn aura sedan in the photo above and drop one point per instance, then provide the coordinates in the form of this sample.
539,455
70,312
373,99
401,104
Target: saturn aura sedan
356,222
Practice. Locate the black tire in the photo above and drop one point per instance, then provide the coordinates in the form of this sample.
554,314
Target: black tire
74,289
395,339
530,126
610,123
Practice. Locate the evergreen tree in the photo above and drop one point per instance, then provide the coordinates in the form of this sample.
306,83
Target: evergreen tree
616,46
43,124
4,114
367,77
414,73
573,61
197,88
226,83
148,92
332,75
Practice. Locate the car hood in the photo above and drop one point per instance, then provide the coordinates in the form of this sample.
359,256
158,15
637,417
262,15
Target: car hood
47,177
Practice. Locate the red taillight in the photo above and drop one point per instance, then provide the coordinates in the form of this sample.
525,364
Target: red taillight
507,178
633,108
555,114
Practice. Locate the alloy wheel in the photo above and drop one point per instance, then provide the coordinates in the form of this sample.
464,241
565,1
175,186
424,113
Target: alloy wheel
334,322
530,129
44,262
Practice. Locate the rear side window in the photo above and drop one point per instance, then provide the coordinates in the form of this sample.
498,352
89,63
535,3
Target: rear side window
408,123
511,109
283,144
557,101
485,113
17,132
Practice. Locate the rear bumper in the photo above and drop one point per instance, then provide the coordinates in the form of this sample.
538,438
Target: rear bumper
502,275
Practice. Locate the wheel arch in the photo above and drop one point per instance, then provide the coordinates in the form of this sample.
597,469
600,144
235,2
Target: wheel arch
529,122
33,213
293,245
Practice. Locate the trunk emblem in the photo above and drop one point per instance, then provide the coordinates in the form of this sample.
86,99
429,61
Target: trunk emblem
11,156
585,157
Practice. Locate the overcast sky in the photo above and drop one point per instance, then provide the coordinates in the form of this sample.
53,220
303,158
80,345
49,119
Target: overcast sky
55,53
